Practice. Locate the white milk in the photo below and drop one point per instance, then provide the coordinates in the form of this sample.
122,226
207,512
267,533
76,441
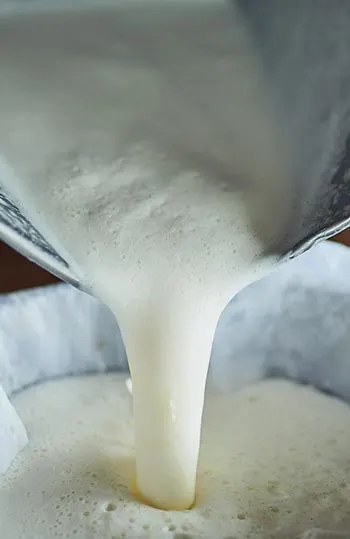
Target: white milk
274,462
151,162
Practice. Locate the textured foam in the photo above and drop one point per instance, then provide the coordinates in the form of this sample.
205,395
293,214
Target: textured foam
274,462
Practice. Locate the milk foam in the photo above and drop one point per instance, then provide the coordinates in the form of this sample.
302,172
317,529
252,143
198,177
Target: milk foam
163,203
274,461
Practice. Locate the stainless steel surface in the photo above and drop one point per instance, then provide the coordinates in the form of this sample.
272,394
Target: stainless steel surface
304,46
17,231
305,50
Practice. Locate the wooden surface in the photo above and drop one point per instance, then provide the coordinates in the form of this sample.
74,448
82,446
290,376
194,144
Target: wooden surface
16,272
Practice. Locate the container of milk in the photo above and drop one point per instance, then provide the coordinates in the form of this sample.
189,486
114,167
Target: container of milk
123,92
163,174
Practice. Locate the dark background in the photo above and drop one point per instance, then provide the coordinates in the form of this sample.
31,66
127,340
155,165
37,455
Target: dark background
16,272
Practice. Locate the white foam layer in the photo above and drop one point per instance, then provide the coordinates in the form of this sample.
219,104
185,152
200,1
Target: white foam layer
274,462
13,435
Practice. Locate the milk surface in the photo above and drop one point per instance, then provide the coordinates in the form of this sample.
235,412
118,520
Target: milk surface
274,463
151,161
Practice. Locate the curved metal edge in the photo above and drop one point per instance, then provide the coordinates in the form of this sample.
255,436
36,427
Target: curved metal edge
310,242
38,256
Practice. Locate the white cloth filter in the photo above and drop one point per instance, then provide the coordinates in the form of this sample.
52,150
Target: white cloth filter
293,324
13,435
